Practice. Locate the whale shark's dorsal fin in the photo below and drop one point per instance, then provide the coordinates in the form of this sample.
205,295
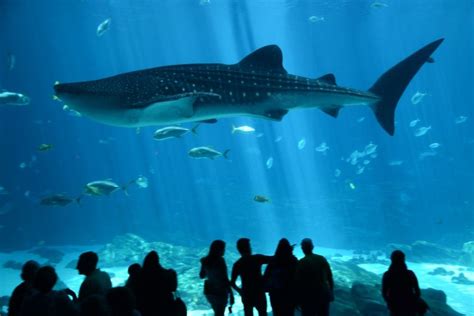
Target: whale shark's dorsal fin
328,78
267,58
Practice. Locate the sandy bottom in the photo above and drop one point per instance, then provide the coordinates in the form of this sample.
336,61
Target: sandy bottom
460,297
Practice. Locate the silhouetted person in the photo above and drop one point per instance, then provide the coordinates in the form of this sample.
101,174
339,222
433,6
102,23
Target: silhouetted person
217,287
94,305
279,276
96,282
400,287
156,287
121,302
249,269
133,280
24,289
314,283
44,301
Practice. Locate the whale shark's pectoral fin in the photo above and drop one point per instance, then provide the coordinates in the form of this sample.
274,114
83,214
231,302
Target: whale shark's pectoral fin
173,107
209,121
333,110
275,115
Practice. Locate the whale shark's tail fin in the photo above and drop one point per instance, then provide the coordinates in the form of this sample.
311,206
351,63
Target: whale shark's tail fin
390,86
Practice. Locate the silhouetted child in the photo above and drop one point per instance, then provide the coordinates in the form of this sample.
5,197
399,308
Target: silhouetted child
249,269
96,282
278,279
24,289
133,280
314,283
217,287
156,286
44,301
400,287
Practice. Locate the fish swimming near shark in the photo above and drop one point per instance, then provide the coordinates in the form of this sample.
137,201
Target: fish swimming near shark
257,86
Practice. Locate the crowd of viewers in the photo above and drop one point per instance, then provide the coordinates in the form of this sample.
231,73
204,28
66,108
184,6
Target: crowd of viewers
305,285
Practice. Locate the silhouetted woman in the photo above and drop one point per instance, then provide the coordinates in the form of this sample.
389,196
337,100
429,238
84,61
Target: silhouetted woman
400,287
155,287
217,285
278,279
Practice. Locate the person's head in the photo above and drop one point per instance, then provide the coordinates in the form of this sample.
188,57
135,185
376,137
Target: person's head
398,258
28,271
87,263
134,269
121,301
284,248
243,246
217,249
307,246
45,279
151,260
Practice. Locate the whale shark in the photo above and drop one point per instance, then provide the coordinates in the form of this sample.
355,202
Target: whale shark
257,86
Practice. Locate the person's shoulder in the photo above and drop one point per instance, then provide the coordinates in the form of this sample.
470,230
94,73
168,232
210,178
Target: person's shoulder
104,274
20,288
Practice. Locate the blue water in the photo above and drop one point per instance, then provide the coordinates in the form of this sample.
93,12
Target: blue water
400,196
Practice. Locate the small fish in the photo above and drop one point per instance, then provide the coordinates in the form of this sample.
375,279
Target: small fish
13,98
102,187
244,129
27,193
269,163
422,131
315,19
142,182
361,119
23,165
417,97
352,186
414,122
395,162
434,145
261,199
322,148
11,61
430,60
370,149
366,162
103,27
460,119
173,132
259,135
59,200
302,144
378,5
337,173
360,169
207,152
278,139
204,2
426,154
45,147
